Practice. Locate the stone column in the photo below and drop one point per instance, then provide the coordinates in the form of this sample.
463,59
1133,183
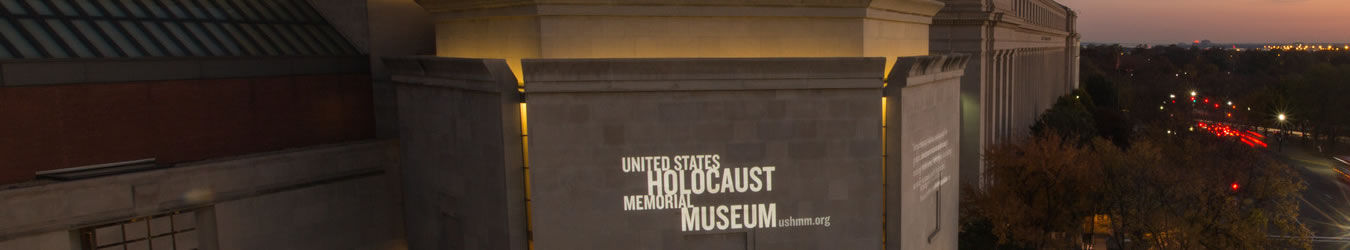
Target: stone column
996,103
1016,92
1010,94
1043,84
1000,85
991,103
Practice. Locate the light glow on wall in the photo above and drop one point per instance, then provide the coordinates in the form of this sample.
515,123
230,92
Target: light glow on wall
525,158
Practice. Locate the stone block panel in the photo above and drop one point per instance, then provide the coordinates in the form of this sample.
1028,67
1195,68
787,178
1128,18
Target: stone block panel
581,140
463,167
922,147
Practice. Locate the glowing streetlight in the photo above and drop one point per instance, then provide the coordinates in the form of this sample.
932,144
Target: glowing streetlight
1192,93
1172,96
1281,117
1160,108
1230,103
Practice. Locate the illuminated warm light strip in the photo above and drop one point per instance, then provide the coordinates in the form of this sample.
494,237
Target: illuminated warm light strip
883,167
525,160
1248,137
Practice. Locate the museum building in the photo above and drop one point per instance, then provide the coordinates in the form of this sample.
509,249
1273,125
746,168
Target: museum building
537,124
1024,55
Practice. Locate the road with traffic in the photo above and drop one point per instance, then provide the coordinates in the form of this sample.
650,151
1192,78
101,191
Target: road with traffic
1326,203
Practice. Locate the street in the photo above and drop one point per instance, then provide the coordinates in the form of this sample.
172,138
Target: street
1326,202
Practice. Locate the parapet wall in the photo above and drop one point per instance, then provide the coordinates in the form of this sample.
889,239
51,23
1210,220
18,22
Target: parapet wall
763,153
461,140
923,110
326,197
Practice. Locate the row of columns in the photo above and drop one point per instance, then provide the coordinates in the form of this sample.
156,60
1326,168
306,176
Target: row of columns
1022,84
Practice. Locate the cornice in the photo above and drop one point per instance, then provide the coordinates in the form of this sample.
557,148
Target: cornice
917,15
917,7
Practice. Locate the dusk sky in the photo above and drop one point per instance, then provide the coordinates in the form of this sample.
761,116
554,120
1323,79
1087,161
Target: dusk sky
1221,21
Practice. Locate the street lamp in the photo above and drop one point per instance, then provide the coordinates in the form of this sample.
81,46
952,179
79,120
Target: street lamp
1192,92
1282,133
1172,96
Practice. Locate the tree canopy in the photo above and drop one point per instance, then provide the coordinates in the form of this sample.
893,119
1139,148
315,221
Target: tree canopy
1169,193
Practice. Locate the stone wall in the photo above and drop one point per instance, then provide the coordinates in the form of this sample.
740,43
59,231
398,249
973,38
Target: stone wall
358,213
1023,56
816,122
313,198
680,29
460,134
923,110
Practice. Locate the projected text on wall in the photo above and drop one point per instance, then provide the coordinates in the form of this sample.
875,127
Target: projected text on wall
672,182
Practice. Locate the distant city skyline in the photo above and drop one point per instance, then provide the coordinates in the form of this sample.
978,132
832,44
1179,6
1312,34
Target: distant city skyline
1220,21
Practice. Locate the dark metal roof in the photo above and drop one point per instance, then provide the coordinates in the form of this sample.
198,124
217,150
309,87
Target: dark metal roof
56,29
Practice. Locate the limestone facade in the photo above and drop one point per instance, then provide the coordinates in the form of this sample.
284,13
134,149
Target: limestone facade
814,121
841,177
922,119
1024,56
681,29
797,85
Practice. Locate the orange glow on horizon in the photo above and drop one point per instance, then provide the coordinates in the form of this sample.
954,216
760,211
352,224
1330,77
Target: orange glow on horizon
1221,21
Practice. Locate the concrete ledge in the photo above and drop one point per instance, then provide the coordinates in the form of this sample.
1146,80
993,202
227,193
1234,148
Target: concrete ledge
693,11
695,74
463,9
703,85
450,72
40,72
64,205
459,5
912,71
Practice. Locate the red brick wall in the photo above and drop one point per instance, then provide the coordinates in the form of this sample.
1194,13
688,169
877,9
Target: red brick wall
61,126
